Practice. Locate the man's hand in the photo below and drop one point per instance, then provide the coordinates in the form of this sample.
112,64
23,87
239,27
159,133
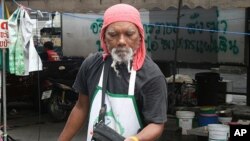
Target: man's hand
132,138
149,133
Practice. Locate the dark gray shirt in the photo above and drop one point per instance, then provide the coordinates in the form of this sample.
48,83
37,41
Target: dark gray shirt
150,86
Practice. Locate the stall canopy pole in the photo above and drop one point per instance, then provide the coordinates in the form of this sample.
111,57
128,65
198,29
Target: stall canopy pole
4,97
176,50
247,46
177,39
4,85
174,62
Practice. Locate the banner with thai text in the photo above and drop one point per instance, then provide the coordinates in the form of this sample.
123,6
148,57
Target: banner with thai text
205,35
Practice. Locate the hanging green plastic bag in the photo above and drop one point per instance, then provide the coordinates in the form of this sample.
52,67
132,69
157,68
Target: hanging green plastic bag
13,31
19,55
19,49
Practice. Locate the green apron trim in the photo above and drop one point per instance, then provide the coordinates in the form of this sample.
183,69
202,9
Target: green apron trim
98,88
92,97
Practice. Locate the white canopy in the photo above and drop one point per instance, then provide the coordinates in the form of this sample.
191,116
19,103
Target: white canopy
82,6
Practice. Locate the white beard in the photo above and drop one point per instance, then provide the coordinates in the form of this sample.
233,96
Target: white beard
121,55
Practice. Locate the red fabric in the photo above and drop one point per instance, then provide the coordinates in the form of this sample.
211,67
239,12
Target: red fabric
125,12
52,55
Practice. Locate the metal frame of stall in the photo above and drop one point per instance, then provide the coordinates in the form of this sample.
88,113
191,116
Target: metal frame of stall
247,27
3,84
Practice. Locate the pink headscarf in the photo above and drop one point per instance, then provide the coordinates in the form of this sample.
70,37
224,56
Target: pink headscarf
125,12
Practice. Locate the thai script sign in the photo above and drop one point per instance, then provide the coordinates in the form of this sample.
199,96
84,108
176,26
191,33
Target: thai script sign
4,35
205,35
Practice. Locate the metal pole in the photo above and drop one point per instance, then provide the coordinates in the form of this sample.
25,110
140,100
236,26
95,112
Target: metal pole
248,83
248,62
177,39
175,53
4,87
4,98
1,87
174,91
1,97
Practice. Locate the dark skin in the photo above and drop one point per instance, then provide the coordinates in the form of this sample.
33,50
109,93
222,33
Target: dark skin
122,34
118,34
77,118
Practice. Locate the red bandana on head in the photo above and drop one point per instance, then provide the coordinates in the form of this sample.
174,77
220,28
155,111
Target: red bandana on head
123,13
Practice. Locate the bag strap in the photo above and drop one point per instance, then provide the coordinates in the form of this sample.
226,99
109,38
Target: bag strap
104,87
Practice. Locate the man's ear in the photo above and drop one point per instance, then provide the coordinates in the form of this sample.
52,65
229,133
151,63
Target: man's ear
140,37
104,38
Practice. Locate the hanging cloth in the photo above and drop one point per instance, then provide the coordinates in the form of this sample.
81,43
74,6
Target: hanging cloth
32,60
19,50
13,31
23,57
35,63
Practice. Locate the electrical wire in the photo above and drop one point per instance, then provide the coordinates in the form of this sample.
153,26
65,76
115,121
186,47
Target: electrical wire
169,26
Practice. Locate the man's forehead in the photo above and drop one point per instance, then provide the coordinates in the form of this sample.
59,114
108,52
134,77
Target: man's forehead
125,24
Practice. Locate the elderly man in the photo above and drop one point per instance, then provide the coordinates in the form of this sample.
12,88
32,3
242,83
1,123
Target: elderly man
136,88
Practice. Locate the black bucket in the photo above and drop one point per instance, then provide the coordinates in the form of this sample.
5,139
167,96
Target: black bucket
207,88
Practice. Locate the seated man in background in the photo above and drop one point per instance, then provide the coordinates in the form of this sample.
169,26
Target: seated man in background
49,54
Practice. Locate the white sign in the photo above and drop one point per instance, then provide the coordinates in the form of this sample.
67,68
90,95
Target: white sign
4,34
205,35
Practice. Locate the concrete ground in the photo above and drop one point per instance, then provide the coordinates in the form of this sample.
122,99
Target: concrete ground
27,125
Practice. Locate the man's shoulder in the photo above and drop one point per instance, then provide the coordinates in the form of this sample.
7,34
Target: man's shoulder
94,57
93,60
150,69
149,64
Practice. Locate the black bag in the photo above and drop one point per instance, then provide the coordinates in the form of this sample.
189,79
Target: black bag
102,132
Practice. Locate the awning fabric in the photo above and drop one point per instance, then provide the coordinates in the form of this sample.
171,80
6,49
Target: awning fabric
83,6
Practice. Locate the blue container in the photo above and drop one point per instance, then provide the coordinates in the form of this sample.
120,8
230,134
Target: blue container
205,119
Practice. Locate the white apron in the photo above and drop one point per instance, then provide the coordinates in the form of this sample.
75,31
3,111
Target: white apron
122,112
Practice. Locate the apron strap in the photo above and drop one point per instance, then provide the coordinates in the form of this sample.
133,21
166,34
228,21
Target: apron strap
101,78
104,88
131,89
